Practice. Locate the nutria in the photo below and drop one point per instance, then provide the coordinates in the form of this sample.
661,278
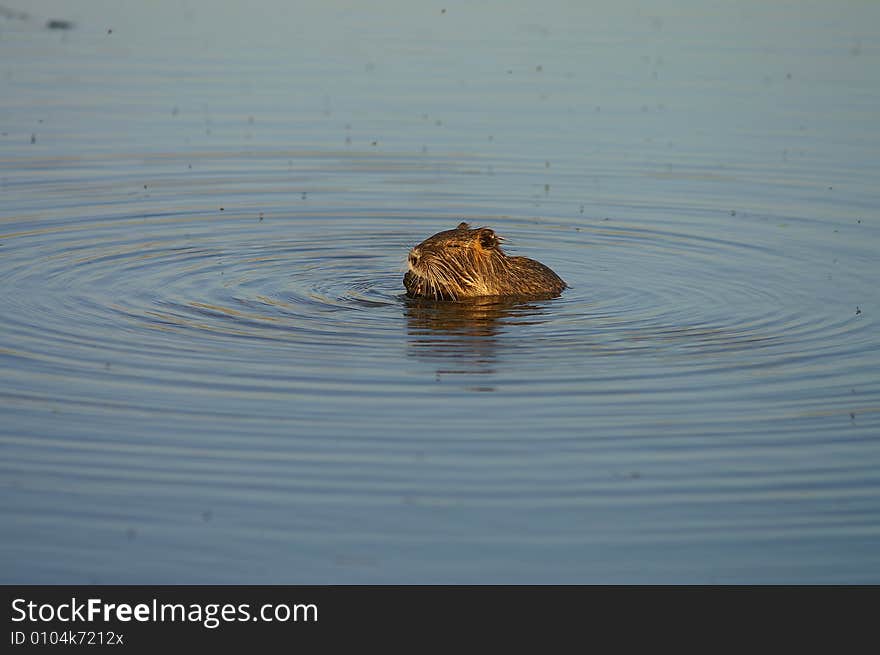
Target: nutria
469,263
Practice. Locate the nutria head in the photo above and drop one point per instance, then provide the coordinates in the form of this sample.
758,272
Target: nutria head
457,263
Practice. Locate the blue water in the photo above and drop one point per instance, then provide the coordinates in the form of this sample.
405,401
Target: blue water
209,372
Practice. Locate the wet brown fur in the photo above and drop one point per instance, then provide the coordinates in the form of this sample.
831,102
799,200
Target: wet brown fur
469,263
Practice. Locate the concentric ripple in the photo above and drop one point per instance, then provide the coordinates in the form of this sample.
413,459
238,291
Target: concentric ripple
203,278
321,289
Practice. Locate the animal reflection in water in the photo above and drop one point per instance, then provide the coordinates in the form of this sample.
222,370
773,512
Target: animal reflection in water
462,338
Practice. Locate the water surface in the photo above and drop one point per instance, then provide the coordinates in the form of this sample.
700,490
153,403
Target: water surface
209,372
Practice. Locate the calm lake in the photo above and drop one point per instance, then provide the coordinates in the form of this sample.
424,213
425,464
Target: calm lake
209,372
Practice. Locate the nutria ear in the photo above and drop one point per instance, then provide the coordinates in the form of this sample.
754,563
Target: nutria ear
463,226
487,238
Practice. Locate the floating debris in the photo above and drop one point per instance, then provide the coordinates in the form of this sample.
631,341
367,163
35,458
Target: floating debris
59,24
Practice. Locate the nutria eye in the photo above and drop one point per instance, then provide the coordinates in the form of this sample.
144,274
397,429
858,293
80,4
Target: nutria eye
413,259
488,239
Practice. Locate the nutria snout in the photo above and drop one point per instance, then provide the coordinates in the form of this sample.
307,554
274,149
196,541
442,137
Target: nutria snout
469,263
